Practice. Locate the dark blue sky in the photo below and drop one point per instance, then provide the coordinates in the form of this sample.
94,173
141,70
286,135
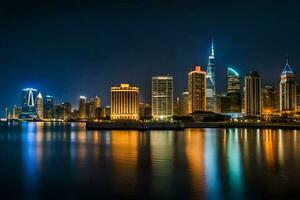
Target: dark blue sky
72,48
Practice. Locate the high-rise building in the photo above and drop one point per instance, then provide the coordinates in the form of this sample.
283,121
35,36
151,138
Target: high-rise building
233,91
91,107
39,106
82,102
287,90
268,100
145,111
176,107
196,90
211,98
16,111
29,101
67,110
58,112
96,106
233,81
48,107
184,99
253,94
162,97
124,102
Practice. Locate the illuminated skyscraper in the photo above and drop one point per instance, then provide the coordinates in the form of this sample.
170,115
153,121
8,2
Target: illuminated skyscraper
82,102
29,96
183,101
287,90
48,107
16,111
196,90
211,98
124,102
162,97
39,106
67,108
253,94
233,81
233,90
93,104
268,100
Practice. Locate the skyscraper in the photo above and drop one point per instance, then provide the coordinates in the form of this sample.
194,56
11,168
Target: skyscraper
124,102
253,95
196,90
162,97
233,81
48,107
16,111
29,101
183,101
39,106
67,110
268,100
287,90
211,98
82,102
233,90
92,106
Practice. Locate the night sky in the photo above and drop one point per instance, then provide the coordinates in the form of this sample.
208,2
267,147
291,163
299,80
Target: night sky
72,48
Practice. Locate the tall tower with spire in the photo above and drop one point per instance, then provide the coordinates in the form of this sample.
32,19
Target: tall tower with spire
287,90
211,100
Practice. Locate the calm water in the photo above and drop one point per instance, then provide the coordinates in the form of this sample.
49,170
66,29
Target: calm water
65,161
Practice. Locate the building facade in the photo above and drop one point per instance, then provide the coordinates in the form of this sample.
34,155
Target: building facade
82,107
211,97
234,90
184,104
253,95
162,97
40,106
196,90
124,102
287,91
48,107
29,96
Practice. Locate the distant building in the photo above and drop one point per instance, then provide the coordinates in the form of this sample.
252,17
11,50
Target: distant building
96,107
16,111
75,114
211,97
40,106
253,94
82,112
59,112
162,97
145,111
29,96
48,107
124,102
233,90
287,90
183,101
67,107
176,107
91,107
268,100
196,90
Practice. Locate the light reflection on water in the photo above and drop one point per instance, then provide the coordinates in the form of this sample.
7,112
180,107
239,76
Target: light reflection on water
42,160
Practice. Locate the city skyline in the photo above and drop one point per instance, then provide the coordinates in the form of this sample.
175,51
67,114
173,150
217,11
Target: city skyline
67,62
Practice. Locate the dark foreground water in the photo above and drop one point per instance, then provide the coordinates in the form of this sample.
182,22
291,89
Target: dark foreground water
39,161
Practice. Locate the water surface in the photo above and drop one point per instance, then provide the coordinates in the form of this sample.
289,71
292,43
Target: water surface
65,161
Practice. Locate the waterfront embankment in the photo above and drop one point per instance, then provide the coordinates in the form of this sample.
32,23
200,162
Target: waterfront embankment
131,125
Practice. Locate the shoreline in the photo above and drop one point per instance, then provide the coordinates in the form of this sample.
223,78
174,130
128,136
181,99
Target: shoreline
185,125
